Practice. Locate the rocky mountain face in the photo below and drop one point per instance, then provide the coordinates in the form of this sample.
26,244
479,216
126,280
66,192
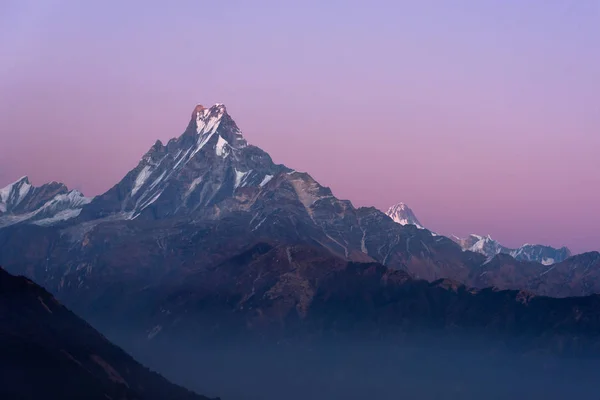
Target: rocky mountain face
45,205
46,352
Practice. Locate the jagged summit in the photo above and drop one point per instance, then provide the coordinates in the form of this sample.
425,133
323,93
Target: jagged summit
52,202
207,118
489,247
214,120
486,245
198,109
24,179
13,194
209,162
201,108
403,215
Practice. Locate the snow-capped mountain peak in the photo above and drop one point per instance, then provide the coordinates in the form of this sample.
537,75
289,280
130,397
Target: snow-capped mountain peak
546,255
52,202
14,193
489,247
403,215
208,119
485,245
216,120
210,161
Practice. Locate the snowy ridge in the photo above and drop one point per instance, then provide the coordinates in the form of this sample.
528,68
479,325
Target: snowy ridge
210,161
58,217
489,247
50,203
72,199
485,245
207,124
213,120
14,193
403,215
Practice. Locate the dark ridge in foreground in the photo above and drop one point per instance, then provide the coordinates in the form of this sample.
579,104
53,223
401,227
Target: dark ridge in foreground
46,352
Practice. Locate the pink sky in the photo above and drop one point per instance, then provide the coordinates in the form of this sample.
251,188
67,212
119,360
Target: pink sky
482,116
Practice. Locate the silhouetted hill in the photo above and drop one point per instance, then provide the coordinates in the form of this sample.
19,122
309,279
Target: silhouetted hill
46,352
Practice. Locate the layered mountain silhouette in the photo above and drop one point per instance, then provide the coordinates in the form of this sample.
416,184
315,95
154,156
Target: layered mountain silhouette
199,201
294,292
546,255
46,352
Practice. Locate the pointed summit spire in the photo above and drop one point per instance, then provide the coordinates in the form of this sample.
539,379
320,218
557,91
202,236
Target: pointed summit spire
403,215
215,120
21,180
19,187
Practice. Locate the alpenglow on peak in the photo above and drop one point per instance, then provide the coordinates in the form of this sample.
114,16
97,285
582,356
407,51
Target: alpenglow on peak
215,119
403,215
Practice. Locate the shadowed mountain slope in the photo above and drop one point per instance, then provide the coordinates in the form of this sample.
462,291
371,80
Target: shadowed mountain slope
46,352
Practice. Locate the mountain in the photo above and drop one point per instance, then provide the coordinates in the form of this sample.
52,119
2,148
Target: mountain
292,291
545,255
487,246
208,238
575,276
482,245
204,196
48,352
403,215
45,205
206,165
292,317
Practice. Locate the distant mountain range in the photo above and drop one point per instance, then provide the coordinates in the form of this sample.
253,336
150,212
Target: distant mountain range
207,231
44,205
487,246
46,352
545,255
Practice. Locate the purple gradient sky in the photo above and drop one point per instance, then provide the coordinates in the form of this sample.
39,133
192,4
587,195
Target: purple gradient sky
483,116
